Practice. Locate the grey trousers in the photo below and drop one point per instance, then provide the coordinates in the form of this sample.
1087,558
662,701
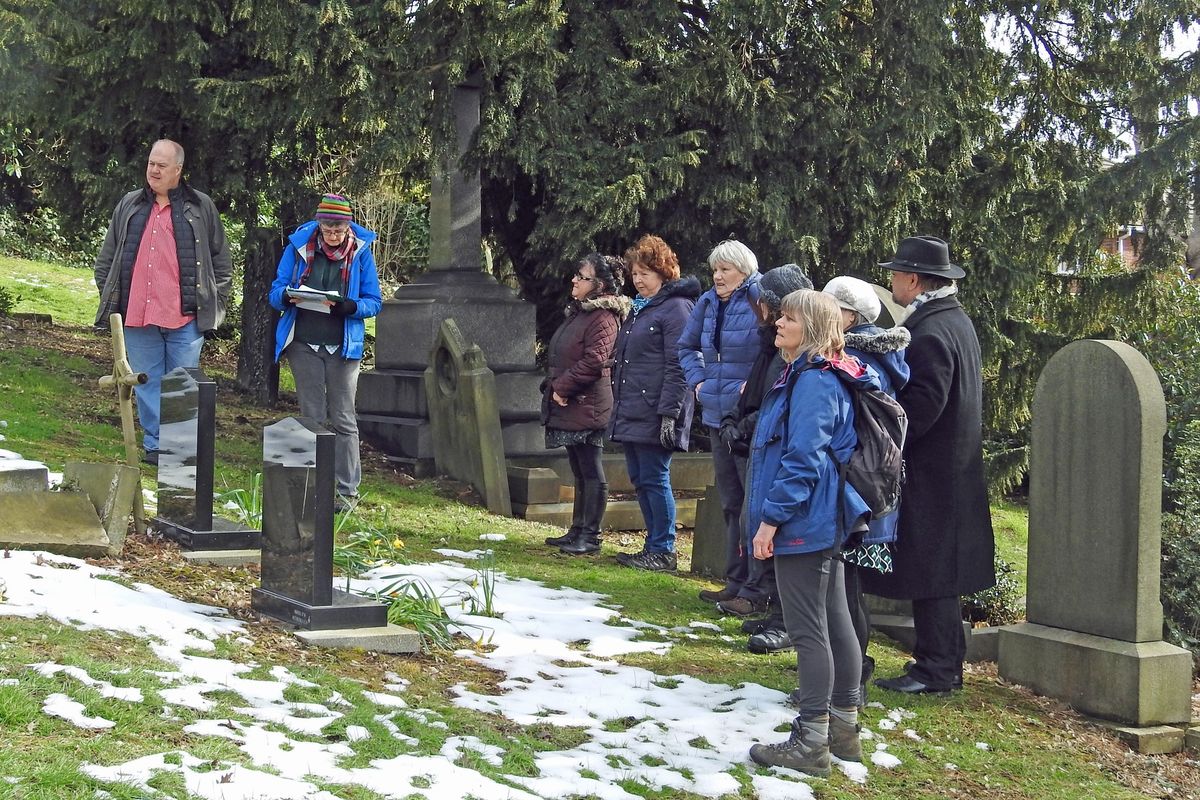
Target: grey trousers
812,592
326,385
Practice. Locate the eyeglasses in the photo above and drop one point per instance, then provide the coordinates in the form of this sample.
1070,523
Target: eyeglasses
334,227
580,277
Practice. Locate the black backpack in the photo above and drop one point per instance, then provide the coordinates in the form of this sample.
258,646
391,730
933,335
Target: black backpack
876,467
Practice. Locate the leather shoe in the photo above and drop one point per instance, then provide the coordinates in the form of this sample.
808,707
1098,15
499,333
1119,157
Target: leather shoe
772,640
956,684
742,606
718,595
907,684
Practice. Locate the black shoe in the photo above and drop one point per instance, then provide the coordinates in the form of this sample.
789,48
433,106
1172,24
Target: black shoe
956,684
624,558
771,640
566,538
907,684
583,544
756,625
718,595
150,457
653,562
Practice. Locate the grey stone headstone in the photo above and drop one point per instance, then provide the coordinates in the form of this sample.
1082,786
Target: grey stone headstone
112,489
1094,635
21,475
468,444
297,535
1095,493
709,548
58,522
186,460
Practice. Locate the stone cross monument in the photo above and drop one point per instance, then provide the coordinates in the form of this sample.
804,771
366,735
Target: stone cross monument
392,406
1094,633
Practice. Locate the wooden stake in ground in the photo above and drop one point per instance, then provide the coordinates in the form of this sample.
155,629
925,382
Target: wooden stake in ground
124,378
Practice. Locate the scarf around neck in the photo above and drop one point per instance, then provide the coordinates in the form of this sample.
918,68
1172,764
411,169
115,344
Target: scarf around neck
343,254
935,294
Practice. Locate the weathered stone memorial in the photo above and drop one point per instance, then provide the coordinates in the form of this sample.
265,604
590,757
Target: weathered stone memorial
1094,633
392,406
185,467
709,549
461,392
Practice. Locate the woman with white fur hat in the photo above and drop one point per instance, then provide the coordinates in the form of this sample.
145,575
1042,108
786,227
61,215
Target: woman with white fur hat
883,351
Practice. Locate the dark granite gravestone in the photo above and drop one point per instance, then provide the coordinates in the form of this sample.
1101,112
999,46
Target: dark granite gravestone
392,405
188,413
1094,635
297,537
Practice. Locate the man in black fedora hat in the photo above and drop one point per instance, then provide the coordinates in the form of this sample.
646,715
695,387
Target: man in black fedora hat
945,547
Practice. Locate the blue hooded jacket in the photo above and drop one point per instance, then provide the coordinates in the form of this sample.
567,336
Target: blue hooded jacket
883,351
721,371
363,288
793,481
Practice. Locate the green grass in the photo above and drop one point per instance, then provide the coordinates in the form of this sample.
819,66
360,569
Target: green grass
56,413
69,294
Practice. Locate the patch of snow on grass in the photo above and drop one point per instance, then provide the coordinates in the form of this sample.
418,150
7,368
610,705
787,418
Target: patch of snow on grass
63,707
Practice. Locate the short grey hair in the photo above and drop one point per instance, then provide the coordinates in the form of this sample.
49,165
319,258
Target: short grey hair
176,146
734,252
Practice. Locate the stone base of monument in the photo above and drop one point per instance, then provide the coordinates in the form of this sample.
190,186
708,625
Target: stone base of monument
112,488
983,644
619,515
1135,683
224,535
1191,739
689,471
387,639
223,558
1152,741
346,611
709,549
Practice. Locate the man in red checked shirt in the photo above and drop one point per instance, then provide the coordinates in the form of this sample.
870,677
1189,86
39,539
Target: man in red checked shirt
165,267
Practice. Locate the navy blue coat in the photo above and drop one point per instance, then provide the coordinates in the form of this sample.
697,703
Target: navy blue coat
722,372
648,382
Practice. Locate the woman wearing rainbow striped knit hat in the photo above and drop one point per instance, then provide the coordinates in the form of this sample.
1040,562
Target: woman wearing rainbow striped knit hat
326,285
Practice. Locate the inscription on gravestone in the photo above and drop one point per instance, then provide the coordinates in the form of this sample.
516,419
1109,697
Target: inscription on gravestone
185,466
297,542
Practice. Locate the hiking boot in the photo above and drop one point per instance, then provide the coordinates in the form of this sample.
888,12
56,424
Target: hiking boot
718,595
653,562
566,538
756,625
806,750
582,545
742,606
771,640
624,558
843,739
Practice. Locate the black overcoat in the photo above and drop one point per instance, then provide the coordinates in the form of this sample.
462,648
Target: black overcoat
945,545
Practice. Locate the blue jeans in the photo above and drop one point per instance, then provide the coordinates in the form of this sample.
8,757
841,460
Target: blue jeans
649,468
156,351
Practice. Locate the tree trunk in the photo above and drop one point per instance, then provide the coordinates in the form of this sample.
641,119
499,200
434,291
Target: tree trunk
258,374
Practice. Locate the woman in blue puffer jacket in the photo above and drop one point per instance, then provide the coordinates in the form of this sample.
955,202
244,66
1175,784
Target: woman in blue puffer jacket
795,509
323,339
883,351
717,350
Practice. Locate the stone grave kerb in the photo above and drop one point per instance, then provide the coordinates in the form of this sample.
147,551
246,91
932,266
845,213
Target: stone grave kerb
468,442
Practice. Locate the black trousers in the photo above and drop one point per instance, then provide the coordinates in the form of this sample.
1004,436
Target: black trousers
941,644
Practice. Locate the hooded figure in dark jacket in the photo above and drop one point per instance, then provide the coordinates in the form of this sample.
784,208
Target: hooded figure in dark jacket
945,546
577,395
652,411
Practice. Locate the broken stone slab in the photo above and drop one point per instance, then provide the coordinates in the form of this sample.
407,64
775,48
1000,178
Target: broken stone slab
384,639
112,488
223,558
21,475
1192,739
58,522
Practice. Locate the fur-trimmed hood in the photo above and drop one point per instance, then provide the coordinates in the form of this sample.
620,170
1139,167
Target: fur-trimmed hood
619,304
883,350
874,339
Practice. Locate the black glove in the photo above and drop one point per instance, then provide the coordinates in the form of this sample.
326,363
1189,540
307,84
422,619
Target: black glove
729,433
666,432
343,308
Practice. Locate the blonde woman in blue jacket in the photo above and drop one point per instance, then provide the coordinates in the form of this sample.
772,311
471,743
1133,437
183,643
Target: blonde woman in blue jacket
798,515
324,347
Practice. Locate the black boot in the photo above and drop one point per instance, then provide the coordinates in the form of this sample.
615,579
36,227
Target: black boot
595,500
577,518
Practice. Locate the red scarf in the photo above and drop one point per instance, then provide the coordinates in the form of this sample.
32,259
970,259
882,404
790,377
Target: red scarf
344,254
